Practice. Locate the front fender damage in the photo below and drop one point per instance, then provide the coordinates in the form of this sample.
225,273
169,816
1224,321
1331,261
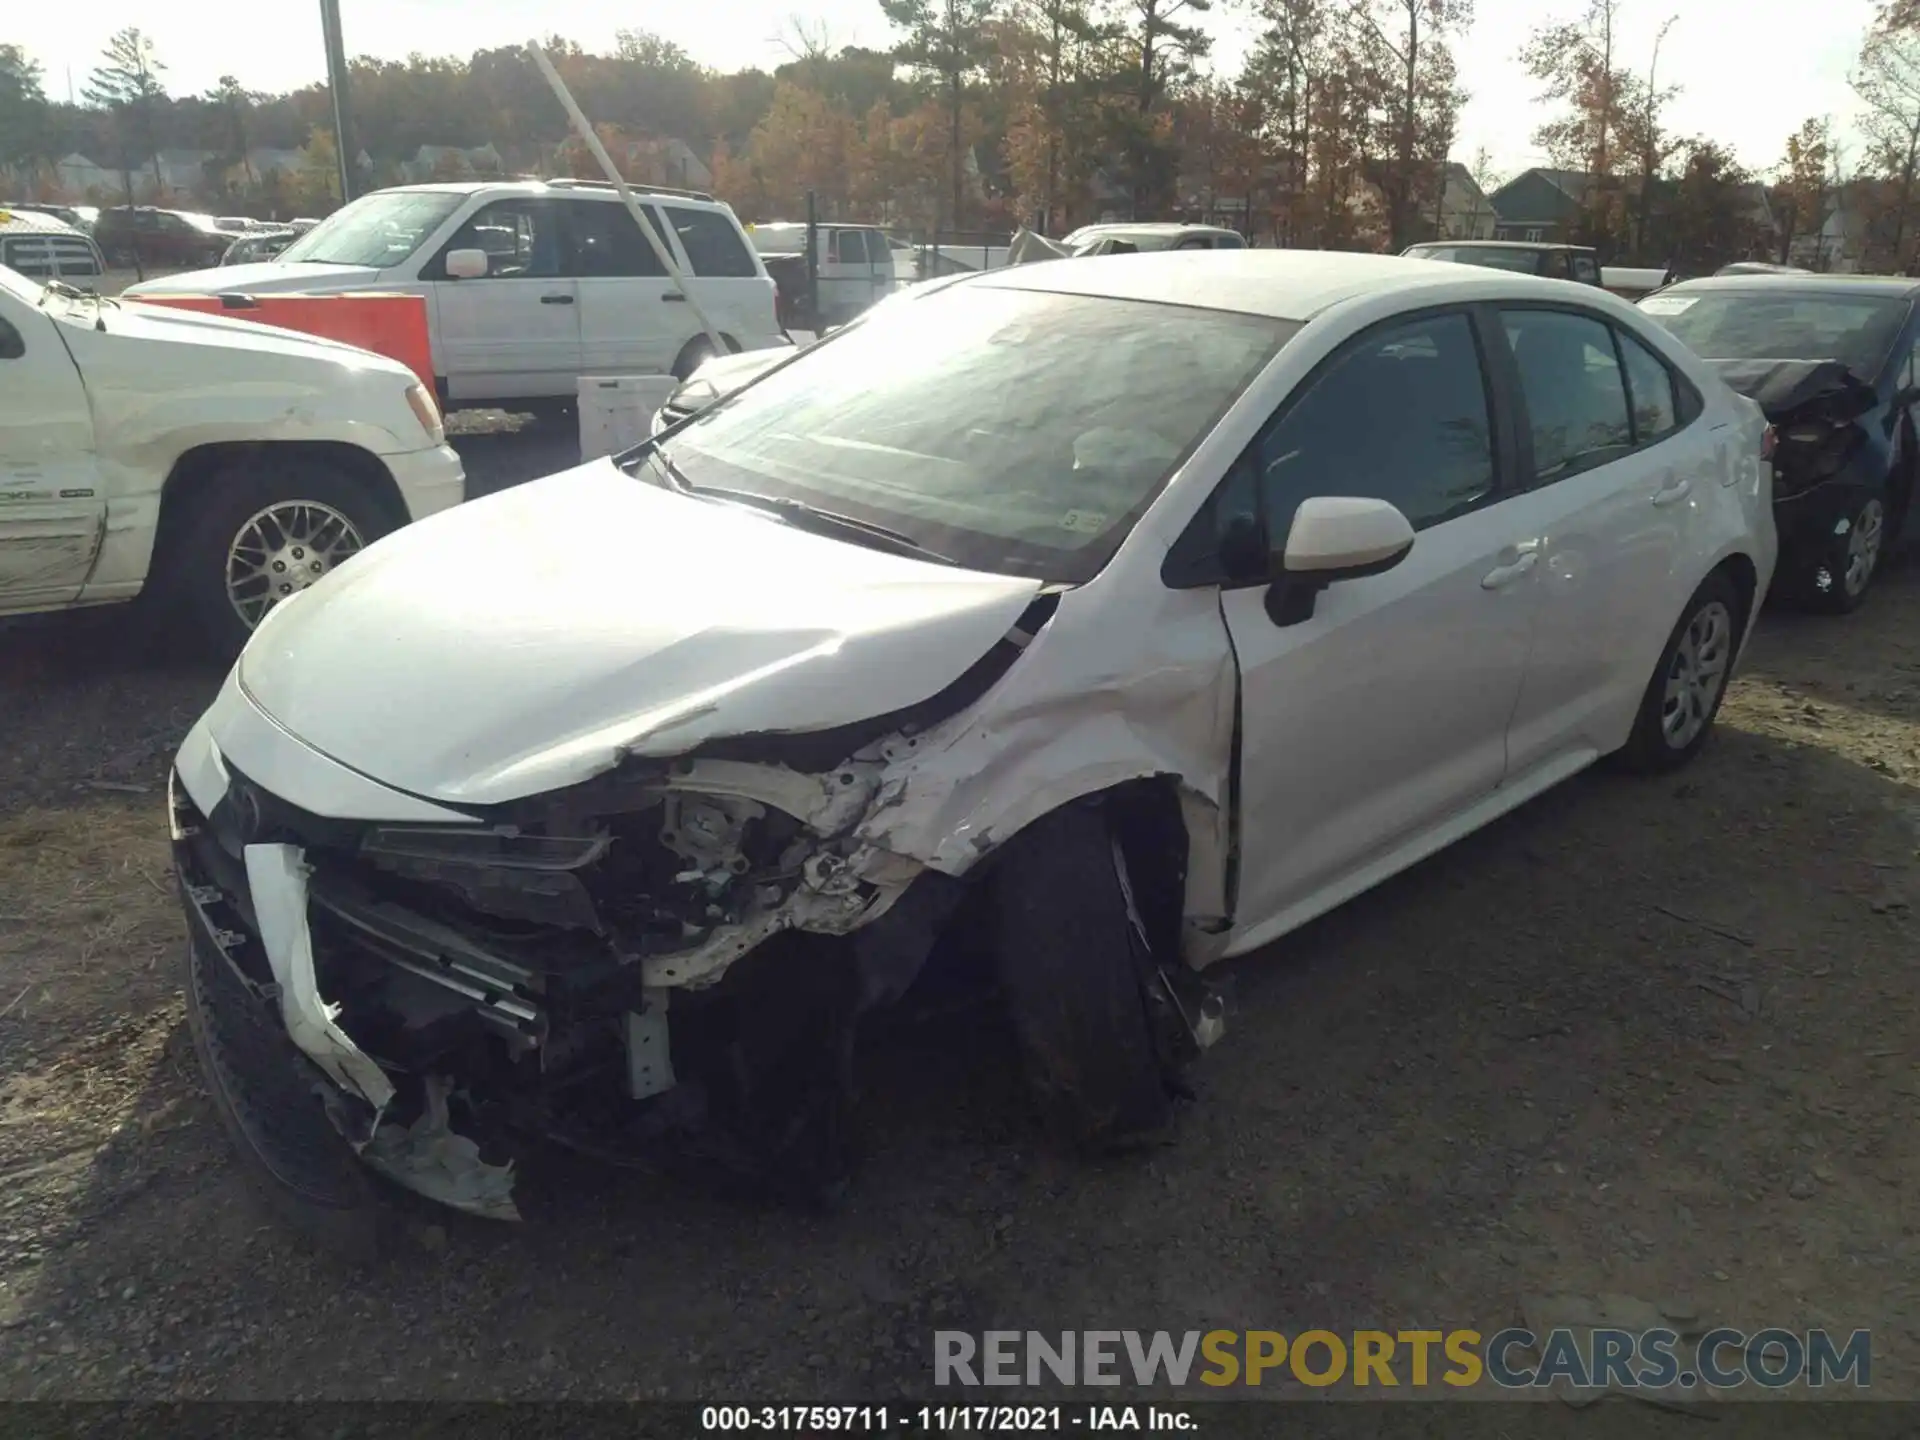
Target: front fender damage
731,913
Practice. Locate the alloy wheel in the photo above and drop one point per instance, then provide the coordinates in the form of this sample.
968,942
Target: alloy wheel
283,549
1697,674
1864,540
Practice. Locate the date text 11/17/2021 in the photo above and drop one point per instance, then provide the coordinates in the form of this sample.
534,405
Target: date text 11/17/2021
943,1419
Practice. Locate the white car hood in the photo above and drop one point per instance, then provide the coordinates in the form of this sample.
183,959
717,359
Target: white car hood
268,277
533,639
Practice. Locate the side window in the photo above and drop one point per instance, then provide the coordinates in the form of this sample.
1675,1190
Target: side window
1585,271
1400,415
1656,409
607,242
1576,400
521,238
714,246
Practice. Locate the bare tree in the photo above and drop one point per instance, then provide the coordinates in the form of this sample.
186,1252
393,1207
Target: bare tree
1887,80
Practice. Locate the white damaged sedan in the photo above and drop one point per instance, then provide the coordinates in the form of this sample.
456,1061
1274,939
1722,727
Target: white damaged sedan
1098,620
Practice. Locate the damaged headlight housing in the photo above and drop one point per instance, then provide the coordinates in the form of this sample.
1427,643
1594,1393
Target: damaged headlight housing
502,849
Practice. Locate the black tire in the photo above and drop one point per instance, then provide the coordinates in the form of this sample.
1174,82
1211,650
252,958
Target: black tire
295,1163
1655,745
196,567
1829,583
1065,956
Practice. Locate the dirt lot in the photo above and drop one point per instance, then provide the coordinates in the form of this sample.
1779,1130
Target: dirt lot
1657,1038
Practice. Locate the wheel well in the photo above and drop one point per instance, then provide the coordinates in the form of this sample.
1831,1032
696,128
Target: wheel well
198,467
1145,817
1739,569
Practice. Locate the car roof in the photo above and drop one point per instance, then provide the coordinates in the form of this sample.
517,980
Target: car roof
1892,287
1501,245
1149,227
37,221
1283,284
588,189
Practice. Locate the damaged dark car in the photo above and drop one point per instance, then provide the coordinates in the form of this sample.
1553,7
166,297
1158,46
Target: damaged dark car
1830,360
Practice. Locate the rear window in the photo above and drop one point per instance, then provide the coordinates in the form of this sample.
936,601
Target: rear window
779,239
1229,242
50,257
1525,262
1856,330
712,242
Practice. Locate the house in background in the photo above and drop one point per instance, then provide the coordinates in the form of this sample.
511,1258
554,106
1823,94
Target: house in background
1540,205
451,162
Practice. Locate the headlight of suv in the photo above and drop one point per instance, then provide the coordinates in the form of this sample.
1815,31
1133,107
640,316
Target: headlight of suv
427,411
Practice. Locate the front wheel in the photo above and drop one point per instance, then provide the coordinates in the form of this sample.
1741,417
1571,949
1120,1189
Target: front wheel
1682,699
1839,576
266,529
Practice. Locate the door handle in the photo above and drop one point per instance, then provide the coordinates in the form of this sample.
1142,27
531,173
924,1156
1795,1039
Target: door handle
674,297
556,299
1673,493
1502,576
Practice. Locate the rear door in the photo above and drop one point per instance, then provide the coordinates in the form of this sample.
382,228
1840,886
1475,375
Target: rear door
632,320
514,333
725,276
52,513
1611,453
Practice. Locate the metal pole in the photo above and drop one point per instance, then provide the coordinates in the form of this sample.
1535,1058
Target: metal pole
813,262
583,127
337,84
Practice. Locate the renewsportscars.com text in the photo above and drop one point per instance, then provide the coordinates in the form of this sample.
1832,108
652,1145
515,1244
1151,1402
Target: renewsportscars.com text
1511,1359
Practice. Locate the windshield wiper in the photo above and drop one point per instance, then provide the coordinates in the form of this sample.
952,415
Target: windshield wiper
807,517
74,292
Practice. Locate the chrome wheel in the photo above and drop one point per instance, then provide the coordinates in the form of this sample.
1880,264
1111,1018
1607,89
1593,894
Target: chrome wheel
1863,547
283,549
1697,674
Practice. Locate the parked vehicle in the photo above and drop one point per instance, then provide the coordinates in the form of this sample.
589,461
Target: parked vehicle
530,284
80,217
260,245
159,237
1525,257
44,248
1011,613
854,264
221,465
1760,267
1831,359
1129,238
1631,282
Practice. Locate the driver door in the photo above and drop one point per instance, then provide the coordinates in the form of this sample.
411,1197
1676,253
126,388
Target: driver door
1383,714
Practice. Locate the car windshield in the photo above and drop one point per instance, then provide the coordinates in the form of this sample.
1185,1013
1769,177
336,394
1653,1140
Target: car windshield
1008,430
1526,262
378,230
1856,330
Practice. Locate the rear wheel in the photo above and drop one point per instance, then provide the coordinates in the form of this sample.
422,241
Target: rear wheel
1682,699
263,530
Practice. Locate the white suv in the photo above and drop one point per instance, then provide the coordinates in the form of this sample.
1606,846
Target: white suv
569,288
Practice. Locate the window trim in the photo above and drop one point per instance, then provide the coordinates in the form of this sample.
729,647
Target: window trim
1193,560
1688,403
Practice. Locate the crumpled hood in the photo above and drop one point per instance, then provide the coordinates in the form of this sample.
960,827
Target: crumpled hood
266,277
1784,388
530,640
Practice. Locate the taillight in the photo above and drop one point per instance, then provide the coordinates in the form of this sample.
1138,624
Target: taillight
1769,439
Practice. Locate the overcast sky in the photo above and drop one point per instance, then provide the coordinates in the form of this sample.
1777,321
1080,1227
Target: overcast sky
1752,70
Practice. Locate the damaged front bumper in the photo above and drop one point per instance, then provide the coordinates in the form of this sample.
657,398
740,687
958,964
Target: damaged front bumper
446,989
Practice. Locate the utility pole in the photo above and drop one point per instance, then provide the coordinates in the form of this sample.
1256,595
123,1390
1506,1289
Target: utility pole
337,84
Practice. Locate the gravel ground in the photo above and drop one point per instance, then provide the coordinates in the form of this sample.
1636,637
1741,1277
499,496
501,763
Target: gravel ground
1648,1037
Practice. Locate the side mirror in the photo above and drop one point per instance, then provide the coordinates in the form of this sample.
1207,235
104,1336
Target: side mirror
466,264
1334,538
